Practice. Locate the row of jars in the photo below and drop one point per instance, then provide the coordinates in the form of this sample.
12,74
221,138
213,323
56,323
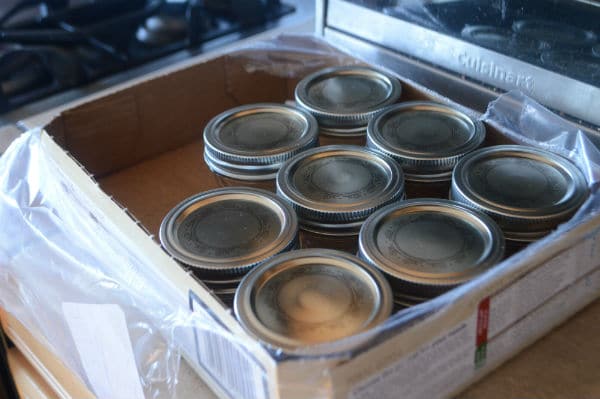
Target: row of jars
242,241
275,147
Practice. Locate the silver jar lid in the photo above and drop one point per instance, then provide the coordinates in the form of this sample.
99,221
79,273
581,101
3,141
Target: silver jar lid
427,139
343,99
250,142
228,230
428,246
311,296
527,191
334,188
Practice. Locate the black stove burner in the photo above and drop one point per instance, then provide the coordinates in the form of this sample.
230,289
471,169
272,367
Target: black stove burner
24,71
501,39
61,44
555,34
584,67
160,30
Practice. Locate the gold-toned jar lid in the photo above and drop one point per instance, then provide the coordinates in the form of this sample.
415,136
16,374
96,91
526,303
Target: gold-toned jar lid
228,230
251,142
427,139
428,246
334,188
311,296
526,190
344,99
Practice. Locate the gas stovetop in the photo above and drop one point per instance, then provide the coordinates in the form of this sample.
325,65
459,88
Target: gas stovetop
50,46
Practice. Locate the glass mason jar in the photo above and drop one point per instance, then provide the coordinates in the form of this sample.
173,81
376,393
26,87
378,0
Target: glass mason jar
221,234
334,189
344,99
427,139
246,145
426,247
526,190
308,297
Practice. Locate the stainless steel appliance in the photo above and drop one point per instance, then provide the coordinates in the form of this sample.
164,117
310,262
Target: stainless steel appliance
469,50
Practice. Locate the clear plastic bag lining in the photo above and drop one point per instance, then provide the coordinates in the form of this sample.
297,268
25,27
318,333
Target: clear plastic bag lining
56,248
525,121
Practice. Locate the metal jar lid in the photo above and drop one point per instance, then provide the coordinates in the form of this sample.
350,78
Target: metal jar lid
334,188
427,246
229,230
311,296
527,191
343,99
250,142
427,139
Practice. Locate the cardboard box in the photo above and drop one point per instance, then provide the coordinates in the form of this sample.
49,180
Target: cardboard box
143,146
36,370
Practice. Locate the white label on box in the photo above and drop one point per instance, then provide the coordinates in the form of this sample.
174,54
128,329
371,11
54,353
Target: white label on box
514,315
430,372
535,288
102,340
231,366
553,312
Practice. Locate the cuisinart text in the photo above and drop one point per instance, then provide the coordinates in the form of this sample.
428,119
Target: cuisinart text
491,70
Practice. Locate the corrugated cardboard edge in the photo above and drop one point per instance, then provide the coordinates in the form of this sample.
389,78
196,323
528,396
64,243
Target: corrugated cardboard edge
134,234
29,383
63,382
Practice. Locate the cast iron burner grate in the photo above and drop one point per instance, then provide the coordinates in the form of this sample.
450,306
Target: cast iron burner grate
50,46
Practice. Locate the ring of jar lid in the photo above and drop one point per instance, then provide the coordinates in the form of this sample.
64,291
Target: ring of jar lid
428,246
344,99
251,142
360,131
334,188
426,138
407,301
302,299
225,232
526,190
